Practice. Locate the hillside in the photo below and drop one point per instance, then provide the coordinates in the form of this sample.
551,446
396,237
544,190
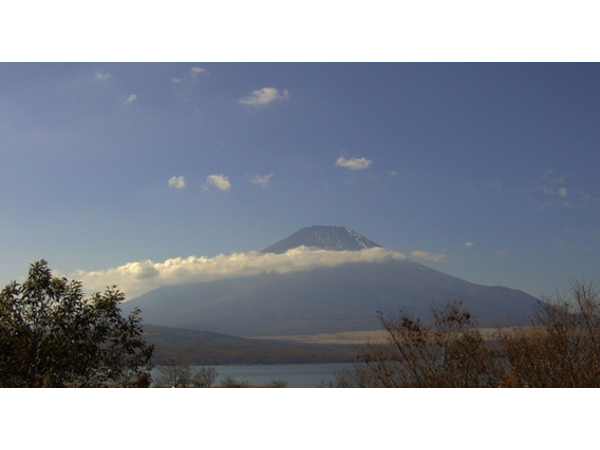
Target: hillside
325,300
205,348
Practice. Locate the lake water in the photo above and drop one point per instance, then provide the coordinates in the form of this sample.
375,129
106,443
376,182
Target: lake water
295,375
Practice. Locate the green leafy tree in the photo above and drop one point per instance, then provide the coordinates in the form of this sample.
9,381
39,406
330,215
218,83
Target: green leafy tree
51,336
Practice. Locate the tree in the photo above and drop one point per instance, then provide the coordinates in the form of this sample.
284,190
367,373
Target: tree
448,353
51,336
205,377
561,348
174,373
230,382
277,383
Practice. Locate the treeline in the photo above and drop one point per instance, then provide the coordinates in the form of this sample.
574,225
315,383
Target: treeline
560,348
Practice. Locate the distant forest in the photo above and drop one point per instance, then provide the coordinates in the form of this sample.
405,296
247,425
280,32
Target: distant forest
206,348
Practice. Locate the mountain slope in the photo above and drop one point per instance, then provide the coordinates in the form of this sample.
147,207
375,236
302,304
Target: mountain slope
325,300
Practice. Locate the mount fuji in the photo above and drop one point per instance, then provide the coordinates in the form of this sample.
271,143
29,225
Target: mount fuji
325,299
324,238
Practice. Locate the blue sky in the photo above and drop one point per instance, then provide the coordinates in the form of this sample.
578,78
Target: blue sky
487,172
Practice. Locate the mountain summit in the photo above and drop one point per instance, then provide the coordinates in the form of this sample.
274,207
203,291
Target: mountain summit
322,238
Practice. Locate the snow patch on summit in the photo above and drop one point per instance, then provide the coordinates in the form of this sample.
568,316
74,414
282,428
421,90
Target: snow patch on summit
323,238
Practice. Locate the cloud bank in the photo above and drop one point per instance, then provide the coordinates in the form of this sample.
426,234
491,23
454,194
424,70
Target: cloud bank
137,278
265,96
354,163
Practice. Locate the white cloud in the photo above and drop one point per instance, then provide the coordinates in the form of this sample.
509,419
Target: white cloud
262,181
103,76
195,71
424,256
137,278
177,183
176,80
219,181
562,192
264,97
354,163
469,245
132,98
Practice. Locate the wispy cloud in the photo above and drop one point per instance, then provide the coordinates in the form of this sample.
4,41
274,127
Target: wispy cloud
177,183
354,163
264,97
219,181
469,244
132,98
550,184
424,256
196,71
550,190
137,278
262,181
103,76
187,83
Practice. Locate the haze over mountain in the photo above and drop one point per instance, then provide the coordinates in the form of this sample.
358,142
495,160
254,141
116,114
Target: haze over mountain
344,297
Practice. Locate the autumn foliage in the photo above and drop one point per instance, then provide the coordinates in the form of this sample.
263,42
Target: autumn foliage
561,348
